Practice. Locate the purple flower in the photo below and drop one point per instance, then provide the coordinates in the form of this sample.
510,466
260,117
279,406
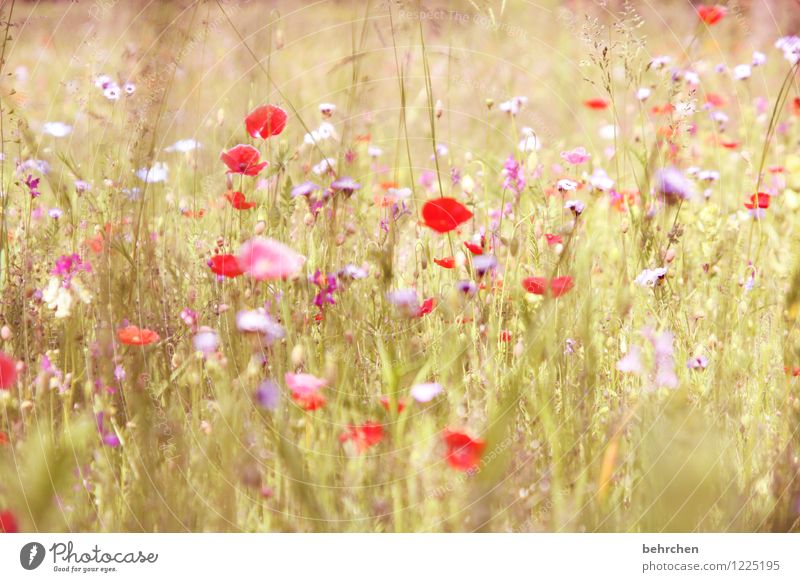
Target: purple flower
576,206
697,363
484,263
345,185
514,176
268,395
405,300
33,185
467,287
304,189
673,185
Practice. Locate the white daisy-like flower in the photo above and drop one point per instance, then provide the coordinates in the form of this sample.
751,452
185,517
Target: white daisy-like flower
56,129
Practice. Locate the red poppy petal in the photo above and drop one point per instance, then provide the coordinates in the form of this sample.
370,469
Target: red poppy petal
444,214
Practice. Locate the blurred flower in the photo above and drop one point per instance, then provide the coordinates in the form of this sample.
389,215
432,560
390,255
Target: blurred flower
266,259
711,14
225,266
363,436
8,371
8,522
56,129
514,105
631,363
650,277
673,185
444,214
238,201
576,206
305,390
183,146
697,363
576,156
426,391
206,341
157,173
268,395
134,336
463,452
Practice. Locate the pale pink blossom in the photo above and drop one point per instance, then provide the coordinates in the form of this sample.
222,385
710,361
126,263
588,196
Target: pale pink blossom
265,259
576,156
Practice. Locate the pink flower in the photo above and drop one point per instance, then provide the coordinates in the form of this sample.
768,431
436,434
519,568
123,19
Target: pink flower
305,390
576,156
265,259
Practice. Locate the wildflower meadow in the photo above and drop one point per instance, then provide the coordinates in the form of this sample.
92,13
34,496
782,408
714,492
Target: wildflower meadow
390,266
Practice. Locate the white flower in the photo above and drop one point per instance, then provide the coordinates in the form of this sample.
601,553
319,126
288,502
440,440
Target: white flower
643,93
327,109
57,129
600,180
649,277
790,45
324,166
708,175
111,92
374,151
660,62
514,105
742,72
566,185
759,59
530,142
685,108
183,146
158,173
720,117
426,392
608,131
691,77
103,81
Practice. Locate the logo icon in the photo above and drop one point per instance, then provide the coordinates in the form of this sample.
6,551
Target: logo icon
31,555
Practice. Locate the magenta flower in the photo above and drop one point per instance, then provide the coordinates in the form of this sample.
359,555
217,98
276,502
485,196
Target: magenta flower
576,156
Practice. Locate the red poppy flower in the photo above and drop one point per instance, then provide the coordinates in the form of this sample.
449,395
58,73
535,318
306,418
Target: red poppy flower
662,109
473,248
760,200
3,438
444,214
238,201
243,159
535,285
463,452
445,262
710,14
8,371
731,145
133,336
363,436
553,239
386,403
560,285
265,121
715,100
426,307
8,523
506,336
225,266
309,402
596,103
796,105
